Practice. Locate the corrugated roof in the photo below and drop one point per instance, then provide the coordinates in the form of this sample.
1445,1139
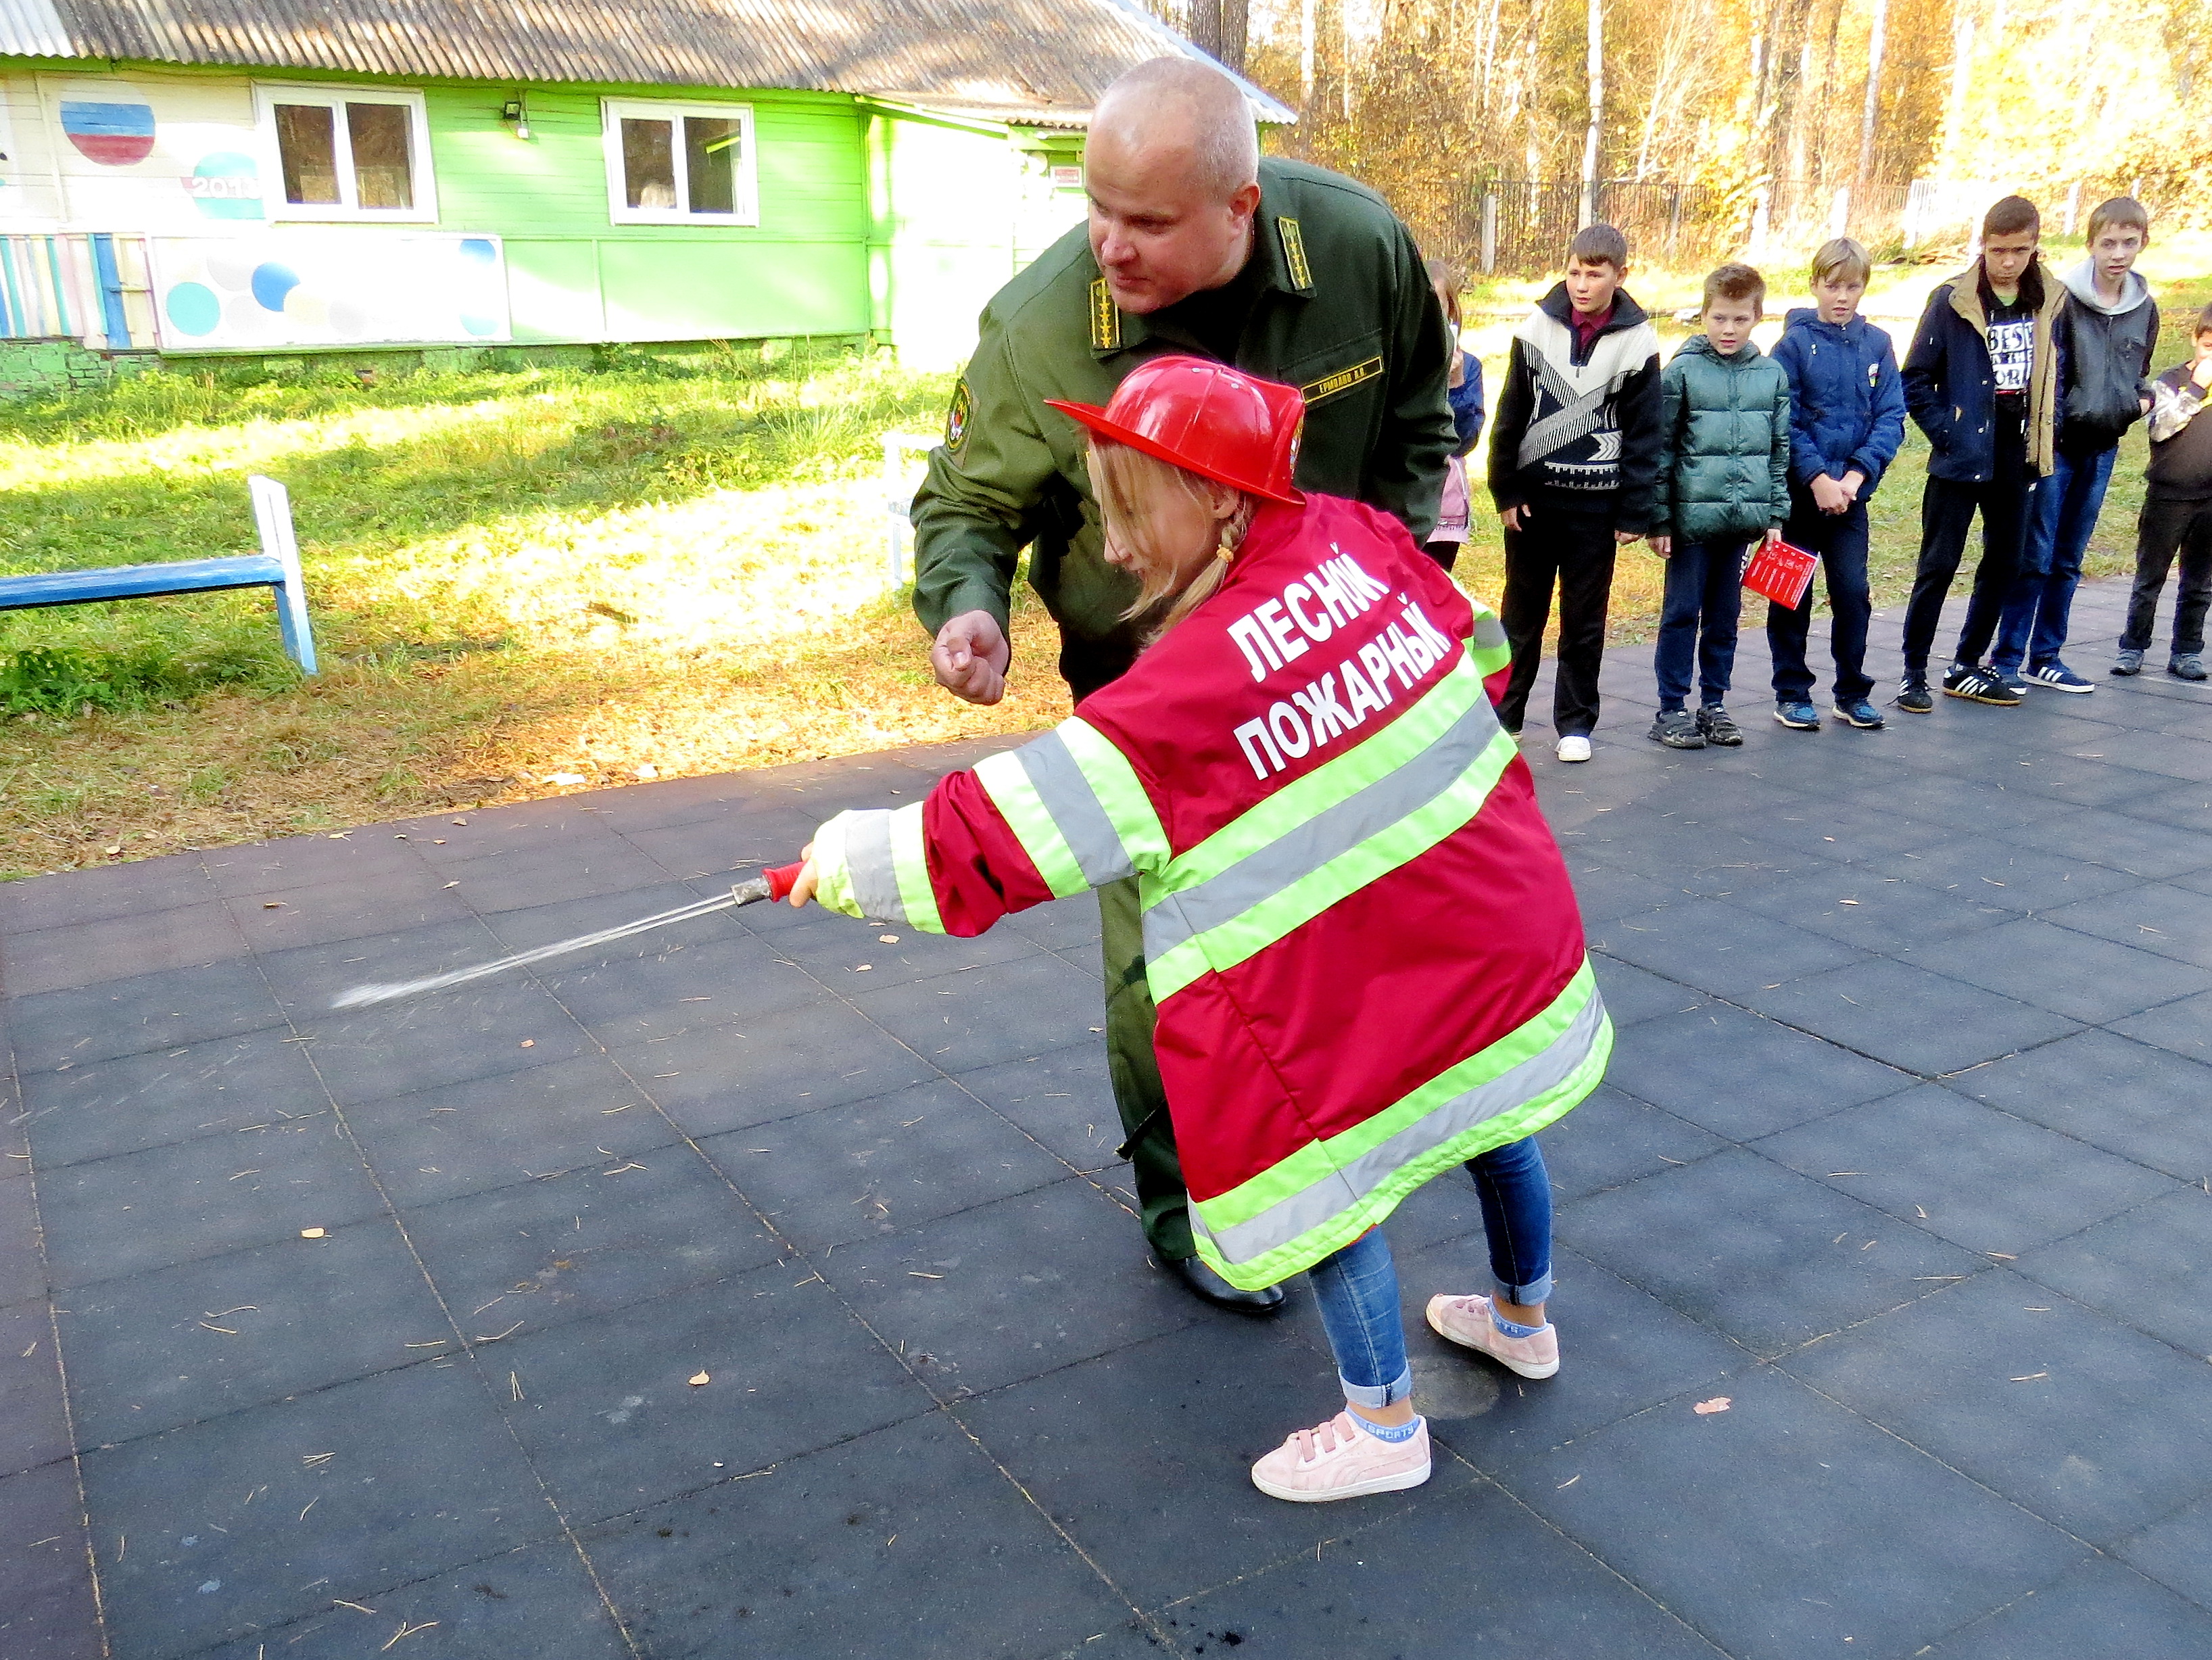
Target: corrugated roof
1042,59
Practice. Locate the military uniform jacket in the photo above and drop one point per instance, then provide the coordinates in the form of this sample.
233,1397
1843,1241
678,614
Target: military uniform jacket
1343,310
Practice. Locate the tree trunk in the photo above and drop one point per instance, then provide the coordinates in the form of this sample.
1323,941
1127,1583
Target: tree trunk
1876,39
1236,24
1305,57
1205,26
1596,111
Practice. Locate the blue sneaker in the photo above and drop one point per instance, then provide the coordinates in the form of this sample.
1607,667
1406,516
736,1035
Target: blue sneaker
1857,712
2056,676
1797,713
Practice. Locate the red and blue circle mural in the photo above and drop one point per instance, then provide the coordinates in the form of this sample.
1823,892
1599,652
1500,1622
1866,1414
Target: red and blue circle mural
113,135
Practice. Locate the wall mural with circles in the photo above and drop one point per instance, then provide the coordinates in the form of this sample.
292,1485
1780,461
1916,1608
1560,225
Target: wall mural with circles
301,288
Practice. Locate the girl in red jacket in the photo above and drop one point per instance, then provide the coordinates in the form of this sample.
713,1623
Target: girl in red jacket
1359,931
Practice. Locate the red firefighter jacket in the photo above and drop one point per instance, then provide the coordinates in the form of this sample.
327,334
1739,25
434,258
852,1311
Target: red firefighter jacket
1358,930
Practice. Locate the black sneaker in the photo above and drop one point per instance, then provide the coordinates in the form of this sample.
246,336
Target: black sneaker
1718,730
1913,697
2130,661
1978,685
1678,730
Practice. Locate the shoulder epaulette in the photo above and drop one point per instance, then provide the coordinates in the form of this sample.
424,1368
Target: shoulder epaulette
1105,318
1294,253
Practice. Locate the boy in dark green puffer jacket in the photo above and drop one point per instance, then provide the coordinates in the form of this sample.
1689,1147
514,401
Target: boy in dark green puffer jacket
1724,484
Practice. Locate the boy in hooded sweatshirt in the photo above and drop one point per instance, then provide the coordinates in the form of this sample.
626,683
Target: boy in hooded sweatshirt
1846,420
1724,484
2106,333
1981,381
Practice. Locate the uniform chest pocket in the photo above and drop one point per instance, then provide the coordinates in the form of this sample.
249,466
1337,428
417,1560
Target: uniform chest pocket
1351,371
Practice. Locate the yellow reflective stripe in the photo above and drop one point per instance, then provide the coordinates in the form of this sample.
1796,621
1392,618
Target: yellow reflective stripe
1559,1057
1228,944
1115,782
833,872
910,862
1006,781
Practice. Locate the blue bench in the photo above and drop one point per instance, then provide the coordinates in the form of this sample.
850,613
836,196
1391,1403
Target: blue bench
275,567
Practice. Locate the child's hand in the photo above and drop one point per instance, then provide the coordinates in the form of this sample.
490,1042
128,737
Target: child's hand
809,878
1773,534
1854,481
2201,374
1623,538
1663,546
1515,517
1830,496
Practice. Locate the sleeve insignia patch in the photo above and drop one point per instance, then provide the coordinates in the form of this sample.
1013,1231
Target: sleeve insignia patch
956,418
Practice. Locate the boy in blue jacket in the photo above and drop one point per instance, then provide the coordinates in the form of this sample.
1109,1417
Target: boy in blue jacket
1846,420
1982,381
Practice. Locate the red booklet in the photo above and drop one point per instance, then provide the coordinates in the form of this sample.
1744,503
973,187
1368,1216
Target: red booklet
1780,572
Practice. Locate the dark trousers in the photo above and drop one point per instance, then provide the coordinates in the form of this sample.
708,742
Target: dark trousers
2033,629
1575,550
1840,540
1133,1065
1697,620
2165,528
1947,512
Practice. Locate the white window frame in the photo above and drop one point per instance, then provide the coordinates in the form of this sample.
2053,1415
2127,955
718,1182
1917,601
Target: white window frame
745,186
335,96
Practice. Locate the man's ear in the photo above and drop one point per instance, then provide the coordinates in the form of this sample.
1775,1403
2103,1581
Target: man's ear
1245,202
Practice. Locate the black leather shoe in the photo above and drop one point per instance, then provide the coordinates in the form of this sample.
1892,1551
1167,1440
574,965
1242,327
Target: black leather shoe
1219,1292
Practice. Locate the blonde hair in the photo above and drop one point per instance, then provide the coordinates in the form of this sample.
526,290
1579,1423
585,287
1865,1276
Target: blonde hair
1846,257
1128,480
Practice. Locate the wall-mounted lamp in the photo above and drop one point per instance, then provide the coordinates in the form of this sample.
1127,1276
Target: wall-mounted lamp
518,111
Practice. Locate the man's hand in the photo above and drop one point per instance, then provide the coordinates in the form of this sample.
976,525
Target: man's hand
1830,496
970,657
1663,546
1515,518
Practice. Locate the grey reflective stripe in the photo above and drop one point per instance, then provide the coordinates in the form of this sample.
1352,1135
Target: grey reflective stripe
1077,812
1488,631
1302,1212
1329,835
870,867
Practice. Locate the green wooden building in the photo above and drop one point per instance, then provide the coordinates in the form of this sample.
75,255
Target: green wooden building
288,177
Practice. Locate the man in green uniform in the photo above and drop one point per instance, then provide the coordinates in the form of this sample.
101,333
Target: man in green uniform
1194,243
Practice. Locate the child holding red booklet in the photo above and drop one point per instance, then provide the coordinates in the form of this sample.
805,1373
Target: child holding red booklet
1360,934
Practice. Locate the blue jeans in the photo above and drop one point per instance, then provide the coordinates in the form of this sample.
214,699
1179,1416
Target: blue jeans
2062,516
1358,1286
1697,619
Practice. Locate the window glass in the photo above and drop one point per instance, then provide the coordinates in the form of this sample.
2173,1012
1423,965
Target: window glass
382,178
306,143
711,155
648,163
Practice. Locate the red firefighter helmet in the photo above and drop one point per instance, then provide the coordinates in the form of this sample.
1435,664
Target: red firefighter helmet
1207,418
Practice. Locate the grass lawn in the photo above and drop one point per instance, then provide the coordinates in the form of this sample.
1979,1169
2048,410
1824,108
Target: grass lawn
515,579
530,582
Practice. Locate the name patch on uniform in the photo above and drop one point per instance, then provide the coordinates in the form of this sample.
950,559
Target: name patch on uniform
957,416
1105,318
1343,380
1294,251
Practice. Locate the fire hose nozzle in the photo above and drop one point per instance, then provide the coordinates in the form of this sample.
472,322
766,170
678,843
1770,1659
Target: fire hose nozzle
774,882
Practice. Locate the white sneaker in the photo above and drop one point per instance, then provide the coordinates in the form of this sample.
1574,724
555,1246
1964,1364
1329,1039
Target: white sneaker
1573,747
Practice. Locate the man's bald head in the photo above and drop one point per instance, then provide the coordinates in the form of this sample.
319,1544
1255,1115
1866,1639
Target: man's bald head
1178,111
1172,168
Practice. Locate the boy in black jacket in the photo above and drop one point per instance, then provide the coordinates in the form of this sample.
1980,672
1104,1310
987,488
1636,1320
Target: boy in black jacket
1981,381
2107,333
1574,457
2177,515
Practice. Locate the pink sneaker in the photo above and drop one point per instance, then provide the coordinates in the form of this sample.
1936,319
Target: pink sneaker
1340,1460
1466,1321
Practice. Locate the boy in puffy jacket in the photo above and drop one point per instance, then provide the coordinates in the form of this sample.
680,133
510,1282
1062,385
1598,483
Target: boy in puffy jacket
1724,484
1846,420
2107,333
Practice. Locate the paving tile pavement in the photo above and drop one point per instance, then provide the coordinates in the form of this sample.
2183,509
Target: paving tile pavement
331,1334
